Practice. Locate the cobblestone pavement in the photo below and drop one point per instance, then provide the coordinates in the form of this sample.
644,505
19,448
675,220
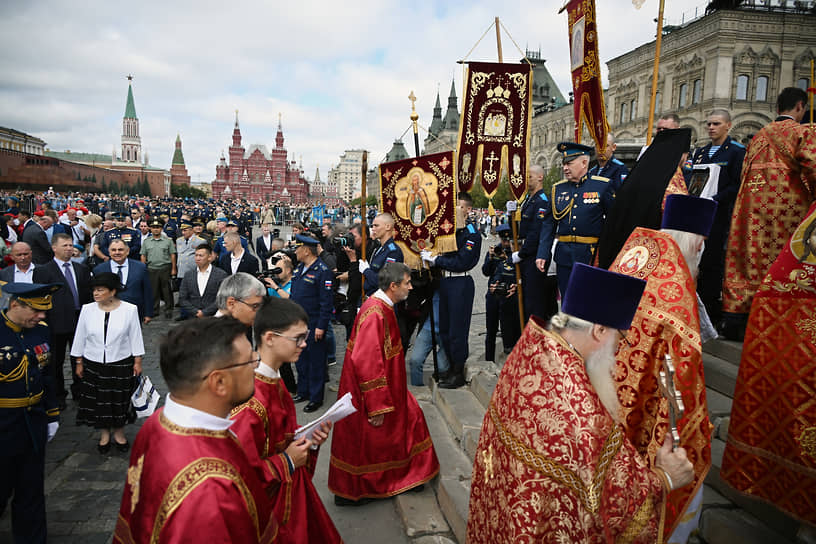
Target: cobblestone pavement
83,488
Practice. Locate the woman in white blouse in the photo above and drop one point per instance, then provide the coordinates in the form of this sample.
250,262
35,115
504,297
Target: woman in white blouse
108,346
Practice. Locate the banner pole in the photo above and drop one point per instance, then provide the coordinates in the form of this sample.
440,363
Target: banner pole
364,218
658,42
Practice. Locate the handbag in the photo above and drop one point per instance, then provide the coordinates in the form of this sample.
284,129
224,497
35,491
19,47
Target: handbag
144,397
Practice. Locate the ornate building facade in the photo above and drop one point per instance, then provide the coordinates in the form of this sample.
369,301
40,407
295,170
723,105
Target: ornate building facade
347,176
444,131
736,59
259,174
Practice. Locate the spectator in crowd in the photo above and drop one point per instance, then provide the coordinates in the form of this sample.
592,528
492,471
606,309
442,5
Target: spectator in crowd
198,290
133,275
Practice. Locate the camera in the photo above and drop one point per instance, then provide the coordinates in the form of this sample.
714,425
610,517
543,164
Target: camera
272,273
498,251
501,290
347,240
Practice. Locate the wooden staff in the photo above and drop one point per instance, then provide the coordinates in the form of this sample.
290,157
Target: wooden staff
654,72
363,217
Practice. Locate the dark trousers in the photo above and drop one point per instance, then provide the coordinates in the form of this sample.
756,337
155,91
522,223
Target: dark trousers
712,271
540,295
455,308
504,312
160,280
566,255
59,347
22,480
288,377
311,367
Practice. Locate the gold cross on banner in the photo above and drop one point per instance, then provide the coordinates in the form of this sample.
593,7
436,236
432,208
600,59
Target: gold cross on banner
491,159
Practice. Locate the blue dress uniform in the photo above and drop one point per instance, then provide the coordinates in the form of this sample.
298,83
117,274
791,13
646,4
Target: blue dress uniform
218,247
456,291
500,309
614,170
386,253
729,157
577,215
132,237
312,289
535,212
28,403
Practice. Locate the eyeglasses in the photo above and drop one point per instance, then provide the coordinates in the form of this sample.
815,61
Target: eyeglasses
255,307
255,361
298,340
628,343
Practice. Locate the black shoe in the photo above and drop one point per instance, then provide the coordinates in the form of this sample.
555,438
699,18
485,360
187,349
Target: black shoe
312,406
297,398
454,381
122,447
418,489
342,501
103,448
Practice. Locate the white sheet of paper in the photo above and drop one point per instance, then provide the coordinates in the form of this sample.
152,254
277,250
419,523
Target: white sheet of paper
340,409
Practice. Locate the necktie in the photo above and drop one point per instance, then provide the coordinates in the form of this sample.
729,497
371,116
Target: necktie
119,272
69,276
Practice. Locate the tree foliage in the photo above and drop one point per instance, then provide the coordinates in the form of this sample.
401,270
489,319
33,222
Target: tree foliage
370,201
185,191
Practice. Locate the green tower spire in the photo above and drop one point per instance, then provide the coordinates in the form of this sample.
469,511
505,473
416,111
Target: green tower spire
130,108
178,157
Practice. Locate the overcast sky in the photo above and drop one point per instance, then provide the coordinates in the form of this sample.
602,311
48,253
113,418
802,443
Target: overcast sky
339,72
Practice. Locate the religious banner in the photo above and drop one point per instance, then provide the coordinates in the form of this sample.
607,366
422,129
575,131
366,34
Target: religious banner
586,72
495,127
420,194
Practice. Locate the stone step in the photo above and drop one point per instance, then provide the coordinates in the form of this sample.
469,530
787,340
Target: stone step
719,405
720,375
728,350
463,413
421,515
453,484
482,386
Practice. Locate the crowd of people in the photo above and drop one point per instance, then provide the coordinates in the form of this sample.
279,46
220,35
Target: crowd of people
622,281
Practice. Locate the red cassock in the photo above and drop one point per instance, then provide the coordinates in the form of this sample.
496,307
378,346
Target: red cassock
265,425
552,465
192,485
771,448
382,461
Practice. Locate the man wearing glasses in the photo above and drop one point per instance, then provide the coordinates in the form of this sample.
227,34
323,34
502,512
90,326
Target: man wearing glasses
239,297
187,446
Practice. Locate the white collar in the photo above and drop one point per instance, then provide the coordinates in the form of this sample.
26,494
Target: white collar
31,267
267,371
60,262
239,257
207,271
380,294
123,265
191,418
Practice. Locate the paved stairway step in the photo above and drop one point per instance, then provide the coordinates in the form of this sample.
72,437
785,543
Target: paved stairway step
420,513
482,386
727,525
463,414
727,350
720,375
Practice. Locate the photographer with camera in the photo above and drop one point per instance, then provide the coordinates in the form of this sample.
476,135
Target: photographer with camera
501,301
278,278
351,246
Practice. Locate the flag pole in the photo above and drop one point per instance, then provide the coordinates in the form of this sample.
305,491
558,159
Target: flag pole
658,42
513,227
363,217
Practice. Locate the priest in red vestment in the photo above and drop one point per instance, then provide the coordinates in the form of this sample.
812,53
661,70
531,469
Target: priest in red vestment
553,464
667,322
189,478
778,186
267,422
771,448
384,448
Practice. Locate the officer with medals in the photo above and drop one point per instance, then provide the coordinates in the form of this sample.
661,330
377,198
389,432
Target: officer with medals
382,230
535,212
29,413
312,289
501,301
132,237
579,205
456,291
608,166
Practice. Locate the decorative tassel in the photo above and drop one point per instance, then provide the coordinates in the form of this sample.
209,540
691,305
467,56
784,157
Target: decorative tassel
490,210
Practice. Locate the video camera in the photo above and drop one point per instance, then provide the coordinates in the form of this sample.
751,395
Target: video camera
347,240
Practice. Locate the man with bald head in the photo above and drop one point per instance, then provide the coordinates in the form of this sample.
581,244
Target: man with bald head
23,269
382,230
610,167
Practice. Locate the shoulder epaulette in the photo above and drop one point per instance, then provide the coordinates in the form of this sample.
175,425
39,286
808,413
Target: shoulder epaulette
543,196
599,178
471,228
392,246
738,144
616,161
559,182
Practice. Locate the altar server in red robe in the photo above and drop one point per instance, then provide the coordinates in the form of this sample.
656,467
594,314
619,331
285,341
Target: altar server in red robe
267,422
553,463
384,448
189,478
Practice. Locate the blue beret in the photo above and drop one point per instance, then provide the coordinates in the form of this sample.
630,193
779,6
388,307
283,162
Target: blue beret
504,227
222,219
603,297
571,150
14,198
689,214
308,240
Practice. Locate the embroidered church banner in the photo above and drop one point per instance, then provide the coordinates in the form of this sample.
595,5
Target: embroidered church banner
494,131
586,72
420,194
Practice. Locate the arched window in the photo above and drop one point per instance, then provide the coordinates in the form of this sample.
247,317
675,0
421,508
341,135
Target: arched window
697,95
623,113
742,87
632,110
681,103
762,89
657,102
802,83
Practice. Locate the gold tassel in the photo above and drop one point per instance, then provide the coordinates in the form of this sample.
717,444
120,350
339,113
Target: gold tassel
490,210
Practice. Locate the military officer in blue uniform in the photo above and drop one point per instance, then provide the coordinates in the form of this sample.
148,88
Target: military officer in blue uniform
608,166
382,230
456,291
312,289
29,413
729,155
535,212
232,226
501,300
579,204
132,237
170,227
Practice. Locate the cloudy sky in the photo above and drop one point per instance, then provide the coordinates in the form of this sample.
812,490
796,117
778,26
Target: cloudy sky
339,72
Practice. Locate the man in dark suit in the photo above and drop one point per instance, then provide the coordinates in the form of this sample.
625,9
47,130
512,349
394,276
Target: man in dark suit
237,258
133,275
34,236
263,245
191,298
62,317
